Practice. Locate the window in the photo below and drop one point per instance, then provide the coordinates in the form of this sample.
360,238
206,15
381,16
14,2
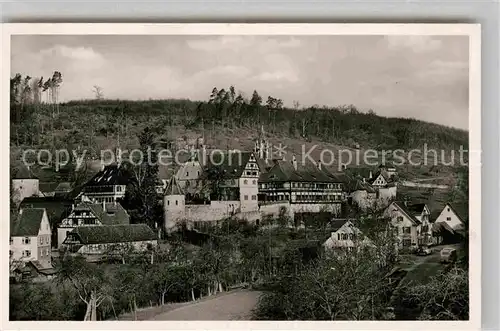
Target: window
176,202
406,242
400,218
448,209
448,219
254,182
246,197
407,229
187,173
254,197
11,240
118,188
198,173
27,253
27,240
338,236
245,182
168,203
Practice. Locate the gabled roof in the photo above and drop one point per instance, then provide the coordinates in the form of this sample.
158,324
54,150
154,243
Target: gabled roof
57,208
406,211
114,214
27,223
114,233
173,187
111,175
460,210
336,224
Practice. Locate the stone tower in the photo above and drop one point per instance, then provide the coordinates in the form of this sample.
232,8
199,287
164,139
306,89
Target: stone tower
173,204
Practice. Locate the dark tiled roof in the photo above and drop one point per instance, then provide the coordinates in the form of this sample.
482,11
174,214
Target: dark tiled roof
64,187
408,212
416,208
57,208
49,187
114,233
461,211
337,224
284,171
231,164
362,172
27,223
173,187
352,184
264,165
111,175
43,269
114,214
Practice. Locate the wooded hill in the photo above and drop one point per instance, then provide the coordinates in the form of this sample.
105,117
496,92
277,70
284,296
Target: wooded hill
226,120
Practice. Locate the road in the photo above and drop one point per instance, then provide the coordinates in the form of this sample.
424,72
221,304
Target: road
237,305
422,268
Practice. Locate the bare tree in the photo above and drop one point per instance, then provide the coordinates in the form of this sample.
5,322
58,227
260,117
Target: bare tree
97,90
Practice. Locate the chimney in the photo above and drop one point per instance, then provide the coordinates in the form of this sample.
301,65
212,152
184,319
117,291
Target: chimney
103,206
371,175
294,162
364,180
20,211
406,203
102,166
319,164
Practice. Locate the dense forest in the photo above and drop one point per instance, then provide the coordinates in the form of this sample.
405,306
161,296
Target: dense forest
39,119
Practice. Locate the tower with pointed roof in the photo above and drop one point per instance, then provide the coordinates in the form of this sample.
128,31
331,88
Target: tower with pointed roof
261,146
174,203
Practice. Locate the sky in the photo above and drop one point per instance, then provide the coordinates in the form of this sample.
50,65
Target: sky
423,77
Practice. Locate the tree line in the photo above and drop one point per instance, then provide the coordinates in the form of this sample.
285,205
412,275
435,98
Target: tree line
34,120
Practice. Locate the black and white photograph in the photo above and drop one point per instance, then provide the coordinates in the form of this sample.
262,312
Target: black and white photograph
226,173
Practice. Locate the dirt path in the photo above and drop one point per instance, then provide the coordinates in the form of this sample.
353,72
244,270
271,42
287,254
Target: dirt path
237,305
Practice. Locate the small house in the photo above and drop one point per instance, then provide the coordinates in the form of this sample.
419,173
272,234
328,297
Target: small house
30,237
95,242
